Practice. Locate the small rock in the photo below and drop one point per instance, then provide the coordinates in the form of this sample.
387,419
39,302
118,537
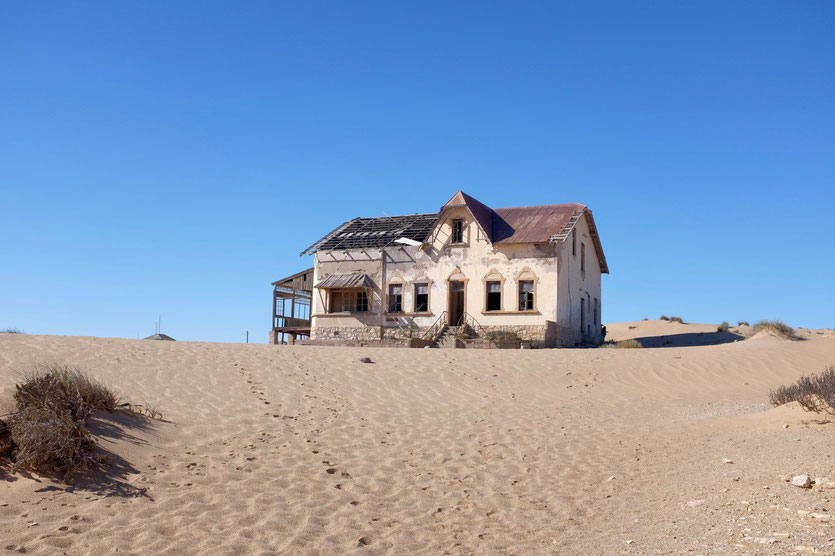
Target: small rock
366,360
787,478
364,541
782,535
612,478
726,460
785,426
630,541
694,503
802,481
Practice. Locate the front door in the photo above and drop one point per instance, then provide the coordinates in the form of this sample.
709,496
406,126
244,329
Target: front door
456,302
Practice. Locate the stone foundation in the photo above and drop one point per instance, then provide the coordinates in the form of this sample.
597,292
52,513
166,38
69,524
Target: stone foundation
346,333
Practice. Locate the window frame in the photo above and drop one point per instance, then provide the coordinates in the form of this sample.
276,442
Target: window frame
459,222
348,304
530,300
391,296
487,294
415,298
583,257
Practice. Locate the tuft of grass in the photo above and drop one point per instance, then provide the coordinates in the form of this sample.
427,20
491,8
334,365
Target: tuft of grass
500,335
813,393
777,327
10,331
724,327
623,344
665,317
743,323
676,319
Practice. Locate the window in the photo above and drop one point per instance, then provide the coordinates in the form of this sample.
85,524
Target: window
421,298
526,295
582,314
395,298
574,242
494,296
348,301
582,257
596,313
458,231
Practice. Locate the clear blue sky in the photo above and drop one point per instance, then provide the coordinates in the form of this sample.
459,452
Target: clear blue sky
175,157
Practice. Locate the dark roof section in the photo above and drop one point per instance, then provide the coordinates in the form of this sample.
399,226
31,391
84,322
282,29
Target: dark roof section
374,233
481,212
163,337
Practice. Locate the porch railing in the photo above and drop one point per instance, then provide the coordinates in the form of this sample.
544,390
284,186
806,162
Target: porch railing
436,329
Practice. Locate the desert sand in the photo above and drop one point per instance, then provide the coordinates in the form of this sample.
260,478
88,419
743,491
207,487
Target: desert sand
306,450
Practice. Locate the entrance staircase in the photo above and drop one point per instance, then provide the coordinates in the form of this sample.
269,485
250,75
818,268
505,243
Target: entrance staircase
446,338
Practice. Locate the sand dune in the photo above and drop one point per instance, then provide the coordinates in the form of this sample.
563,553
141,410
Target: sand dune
306,450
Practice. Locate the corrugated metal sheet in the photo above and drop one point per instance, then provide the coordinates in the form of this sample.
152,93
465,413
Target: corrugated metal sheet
353,280
531,224
374,233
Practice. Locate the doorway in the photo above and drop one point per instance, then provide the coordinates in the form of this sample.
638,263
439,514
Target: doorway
456,302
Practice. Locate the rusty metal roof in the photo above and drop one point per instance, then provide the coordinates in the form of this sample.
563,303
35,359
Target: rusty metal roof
353,280
503,226
532,224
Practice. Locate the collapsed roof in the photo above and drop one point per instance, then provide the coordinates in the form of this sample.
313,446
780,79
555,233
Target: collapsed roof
502,226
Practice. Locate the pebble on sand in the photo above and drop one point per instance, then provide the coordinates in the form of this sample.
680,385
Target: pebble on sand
802,481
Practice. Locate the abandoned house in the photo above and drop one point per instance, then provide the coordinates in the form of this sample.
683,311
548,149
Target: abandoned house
466,274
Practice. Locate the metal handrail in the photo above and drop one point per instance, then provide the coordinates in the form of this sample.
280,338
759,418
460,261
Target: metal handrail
468,320
436,328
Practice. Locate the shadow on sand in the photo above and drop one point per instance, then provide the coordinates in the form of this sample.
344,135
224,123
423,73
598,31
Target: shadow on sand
111,476
690,339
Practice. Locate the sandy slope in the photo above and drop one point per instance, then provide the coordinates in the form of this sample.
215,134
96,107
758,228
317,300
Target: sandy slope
289,450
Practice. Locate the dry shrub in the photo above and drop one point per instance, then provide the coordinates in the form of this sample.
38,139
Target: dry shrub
724,327
63,388
813,393
777,327
623,344
676,319
47,434
743,323
50,442
10,331
665,317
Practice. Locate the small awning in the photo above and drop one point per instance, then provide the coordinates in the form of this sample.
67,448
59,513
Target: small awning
355,280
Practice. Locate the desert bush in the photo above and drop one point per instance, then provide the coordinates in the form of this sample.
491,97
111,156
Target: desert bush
724,327
743,323
63,388
10,331
47,434
777,327
813,393
623,344
676,319
50,442
665,317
